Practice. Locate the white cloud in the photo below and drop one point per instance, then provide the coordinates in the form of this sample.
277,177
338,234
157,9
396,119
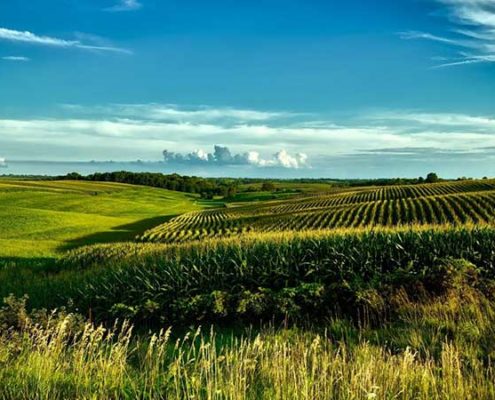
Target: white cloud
16,58
28,37
447,120
411,35
254,142
288,161
222,156
31,38
146,139
473,29
3,162
172,112
125,5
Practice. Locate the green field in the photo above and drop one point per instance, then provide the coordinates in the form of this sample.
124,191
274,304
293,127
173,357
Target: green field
454,203
45,218
329,293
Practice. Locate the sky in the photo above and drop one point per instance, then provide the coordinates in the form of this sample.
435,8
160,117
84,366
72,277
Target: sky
280,88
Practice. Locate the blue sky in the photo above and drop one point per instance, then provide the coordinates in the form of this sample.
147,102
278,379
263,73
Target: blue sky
290,88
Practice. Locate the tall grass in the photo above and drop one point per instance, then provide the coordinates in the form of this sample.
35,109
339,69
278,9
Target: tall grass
62,358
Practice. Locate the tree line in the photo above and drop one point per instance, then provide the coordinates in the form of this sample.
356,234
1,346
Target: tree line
206,187
209,188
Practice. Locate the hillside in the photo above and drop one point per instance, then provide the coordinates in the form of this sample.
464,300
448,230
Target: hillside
433,204
44,218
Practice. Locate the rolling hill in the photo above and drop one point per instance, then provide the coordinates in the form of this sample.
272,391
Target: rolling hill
44,218
446,203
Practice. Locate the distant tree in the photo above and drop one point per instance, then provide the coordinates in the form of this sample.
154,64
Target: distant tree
207,195
267,187
231,191
74,176
432,178
421,179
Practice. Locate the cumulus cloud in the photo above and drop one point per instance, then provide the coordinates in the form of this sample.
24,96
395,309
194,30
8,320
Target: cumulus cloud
222,156
31,38
285,160
472,31
125,5
3,163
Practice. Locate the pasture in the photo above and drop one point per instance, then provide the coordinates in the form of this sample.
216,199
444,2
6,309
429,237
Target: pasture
46,218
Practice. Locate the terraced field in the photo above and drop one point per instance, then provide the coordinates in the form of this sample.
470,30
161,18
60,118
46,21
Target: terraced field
452,203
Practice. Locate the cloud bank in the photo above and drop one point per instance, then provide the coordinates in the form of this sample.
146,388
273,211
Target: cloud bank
472,33
222,156
33,39
367,139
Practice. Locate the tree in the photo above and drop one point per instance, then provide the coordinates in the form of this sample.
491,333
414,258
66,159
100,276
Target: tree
231,191
73,176
268,187
432,178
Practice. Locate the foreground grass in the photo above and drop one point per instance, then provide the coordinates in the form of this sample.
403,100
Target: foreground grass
44,218
438,349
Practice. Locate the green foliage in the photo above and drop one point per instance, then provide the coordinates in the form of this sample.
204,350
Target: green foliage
13,314
268,187
207,188
295,276
451,274
432,178
440,348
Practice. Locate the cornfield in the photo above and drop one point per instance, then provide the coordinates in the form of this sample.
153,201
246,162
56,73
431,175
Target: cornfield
264,276
453,203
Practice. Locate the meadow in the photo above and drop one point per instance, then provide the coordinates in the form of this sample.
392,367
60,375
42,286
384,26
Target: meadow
46,218
332,293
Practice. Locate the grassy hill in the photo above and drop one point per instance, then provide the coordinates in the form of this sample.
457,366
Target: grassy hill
44,218
453,203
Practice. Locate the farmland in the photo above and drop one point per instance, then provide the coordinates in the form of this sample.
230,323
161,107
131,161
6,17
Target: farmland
454,203
328,292
45,218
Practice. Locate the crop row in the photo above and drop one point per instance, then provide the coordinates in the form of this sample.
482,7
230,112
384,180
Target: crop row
392,206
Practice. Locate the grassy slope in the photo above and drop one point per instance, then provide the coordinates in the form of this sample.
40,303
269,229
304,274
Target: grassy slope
40,219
